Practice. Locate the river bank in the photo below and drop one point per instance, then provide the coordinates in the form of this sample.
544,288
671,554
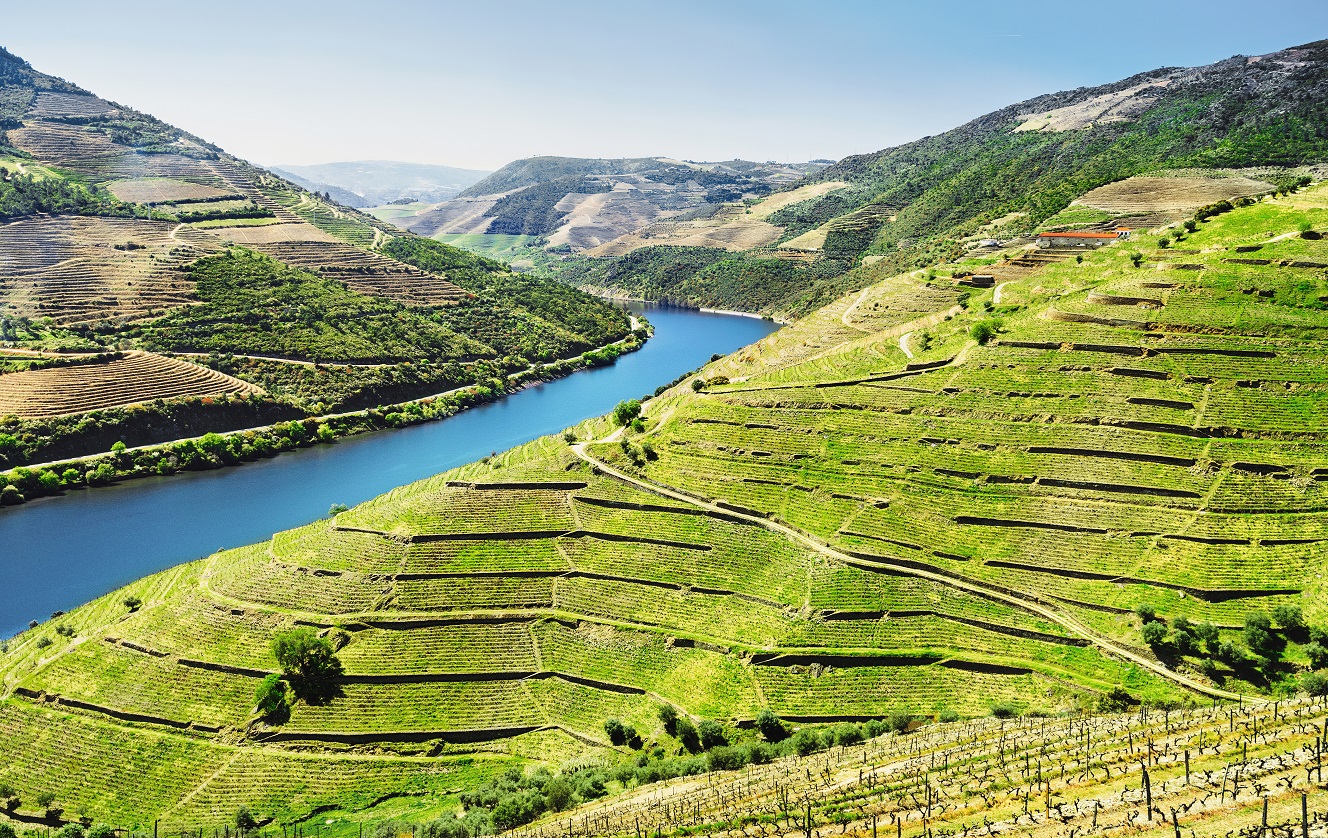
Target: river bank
60,552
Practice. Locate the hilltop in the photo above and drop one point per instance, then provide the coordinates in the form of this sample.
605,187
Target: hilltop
124,240
1090,482
1001,176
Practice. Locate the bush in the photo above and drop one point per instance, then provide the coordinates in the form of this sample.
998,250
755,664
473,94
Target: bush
712,735
1136,258
847,734
1209,636
7,831
270,699
899,721
558,793
668,716
1317,653
1004,710
1290,619
1315,683
770,726
1115,700
1163,242
698,384
244,820
1145,613
725,758
1155,635
1259,637
10,496
807,741
133,603
686,733
982,331
310,663
626,411
615,731
946,716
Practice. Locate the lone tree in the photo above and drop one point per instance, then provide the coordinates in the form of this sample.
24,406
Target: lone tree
271,701
310,664
625,412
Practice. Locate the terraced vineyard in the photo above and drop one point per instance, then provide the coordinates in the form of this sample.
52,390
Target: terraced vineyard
134,378
827,529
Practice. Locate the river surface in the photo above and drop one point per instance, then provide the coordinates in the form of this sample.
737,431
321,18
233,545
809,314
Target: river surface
58,553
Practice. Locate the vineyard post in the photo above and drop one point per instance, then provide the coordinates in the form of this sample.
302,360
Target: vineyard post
1175,823
1187,766
1304,816
1265,814
1148,793
807,824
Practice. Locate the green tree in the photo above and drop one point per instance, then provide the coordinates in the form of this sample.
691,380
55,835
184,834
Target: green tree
558,793
626,411
1155,635
1315,683
310,664
686,733
982,331
271,701
712,734
1317,653
1115,700
770,726
616,732
244,819
1208,634
668,716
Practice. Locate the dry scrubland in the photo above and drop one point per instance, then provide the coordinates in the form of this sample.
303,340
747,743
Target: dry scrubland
828,530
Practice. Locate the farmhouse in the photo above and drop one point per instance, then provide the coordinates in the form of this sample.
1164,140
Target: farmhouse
1080,238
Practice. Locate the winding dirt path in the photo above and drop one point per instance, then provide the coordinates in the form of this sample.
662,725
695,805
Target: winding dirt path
973,586
903,345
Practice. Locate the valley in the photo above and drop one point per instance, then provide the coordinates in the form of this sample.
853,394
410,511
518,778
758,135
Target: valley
994,506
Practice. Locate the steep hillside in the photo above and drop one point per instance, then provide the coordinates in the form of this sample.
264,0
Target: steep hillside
1000,176
1094,484
118,231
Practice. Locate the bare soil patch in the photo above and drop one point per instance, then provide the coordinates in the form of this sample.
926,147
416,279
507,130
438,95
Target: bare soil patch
1168,194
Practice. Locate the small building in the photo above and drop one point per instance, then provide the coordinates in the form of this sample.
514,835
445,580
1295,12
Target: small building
1081,238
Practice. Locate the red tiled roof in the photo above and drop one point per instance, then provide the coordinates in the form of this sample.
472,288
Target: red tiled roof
1084,235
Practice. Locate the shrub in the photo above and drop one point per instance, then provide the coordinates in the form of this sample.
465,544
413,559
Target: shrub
1208,634
1004,710
1163,242
133,603
336,509
668,716
899,721
1315,683
947,716
1191,225
1115,700
770,726
616,732
558,793
11,496
1145,613
847,734
46,799
712,735
244,820
626,411
1155,635
807,741
698,384
1136,258
7,831
310,663
1290,619
1258,635
569,437
982,331
725,758
64,630
1317,653
101,830
686,733
43,642
270,699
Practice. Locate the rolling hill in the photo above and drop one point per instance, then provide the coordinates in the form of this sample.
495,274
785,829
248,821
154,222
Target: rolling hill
120,233
1090,482
1002,175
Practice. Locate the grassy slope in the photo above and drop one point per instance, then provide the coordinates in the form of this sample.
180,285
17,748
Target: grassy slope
942,468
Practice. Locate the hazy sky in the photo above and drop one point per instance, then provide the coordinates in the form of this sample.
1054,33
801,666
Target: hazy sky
478,84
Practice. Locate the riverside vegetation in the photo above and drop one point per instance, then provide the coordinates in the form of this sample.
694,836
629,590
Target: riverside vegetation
991,513
125,240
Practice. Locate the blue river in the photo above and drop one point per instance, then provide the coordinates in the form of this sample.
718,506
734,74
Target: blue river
58,553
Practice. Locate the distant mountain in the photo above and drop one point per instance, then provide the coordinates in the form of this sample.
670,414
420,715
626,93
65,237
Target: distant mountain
371,183
576,203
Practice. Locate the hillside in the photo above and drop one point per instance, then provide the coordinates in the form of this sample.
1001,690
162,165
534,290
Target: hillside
372,183
1093,485
555,205
120,232
1002,176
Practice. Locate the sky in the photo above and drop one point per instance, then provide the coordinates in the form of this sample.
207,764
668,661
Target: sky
478,84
